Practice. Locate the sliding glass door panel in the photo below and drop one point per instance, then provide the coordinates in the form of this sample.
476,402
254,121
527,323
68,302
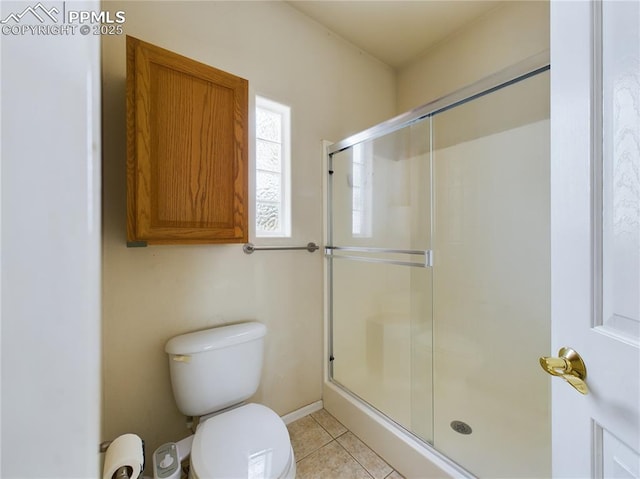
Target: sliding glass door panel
382,338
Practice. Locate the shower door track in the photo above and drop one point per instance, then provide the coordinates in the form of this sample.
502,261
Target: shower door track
520,71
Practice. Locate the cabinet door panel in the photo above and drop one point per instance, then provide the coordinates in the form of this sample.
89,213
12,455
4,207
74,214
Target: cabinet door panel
187,162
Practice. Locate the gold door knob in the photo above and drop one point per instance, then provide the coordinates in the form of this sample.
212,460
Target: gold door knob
569,366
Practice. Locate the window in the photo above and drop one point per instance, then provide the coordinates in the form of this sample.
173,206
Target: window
361,178
273,169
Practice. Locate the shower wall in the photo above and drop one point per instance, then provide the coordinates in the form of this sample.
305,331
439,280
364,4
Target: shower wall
449,350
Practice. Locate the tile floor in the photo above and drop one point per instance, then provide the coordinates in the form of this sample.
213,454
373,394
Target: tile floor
325,449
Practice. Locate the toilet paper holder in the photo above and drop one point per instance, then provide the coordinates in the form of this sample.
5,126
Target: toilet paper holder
124,472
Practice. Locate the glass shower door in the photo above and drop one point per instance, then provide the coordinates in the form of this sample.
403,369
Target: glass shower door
380,288
491,281
439,275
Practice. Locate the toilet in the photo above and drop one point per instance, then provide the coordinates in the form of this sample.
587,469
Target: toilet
212,373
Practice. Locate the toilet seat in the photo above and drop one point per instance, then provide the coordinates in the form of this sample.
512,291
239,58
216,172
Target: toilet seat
247,442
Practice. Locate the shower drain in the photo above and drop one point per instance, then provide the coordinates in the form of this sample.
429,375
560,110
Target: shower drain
461,427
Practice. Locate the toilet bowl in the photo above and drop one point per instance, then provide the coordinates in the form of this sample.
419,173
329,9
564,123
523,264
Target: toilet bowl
212,373
250,441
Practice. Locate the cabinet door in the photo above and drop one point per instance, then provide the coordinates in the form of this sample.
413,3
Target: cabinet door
186,149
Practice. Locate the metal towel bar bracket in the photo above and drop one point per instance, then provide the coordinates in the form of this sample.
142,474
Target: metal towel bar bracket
249,248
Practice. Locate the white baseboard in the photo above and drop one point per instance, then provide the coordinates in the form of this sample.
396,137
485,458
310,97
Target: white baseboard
302,412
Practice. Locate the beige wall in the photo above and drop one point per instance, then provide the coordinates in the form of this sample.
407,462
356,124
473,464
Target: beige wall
151,294
503,36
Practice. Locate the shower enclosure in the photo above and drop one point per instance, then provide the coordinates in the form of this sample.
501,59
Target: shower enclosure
438,273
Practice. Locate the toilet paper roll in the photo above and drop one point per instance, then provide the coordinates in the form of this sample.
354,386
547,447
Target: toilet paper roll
125,450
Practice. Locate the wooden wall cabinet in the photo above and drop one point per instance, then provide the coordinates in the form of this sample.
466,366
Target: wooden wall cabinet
187,150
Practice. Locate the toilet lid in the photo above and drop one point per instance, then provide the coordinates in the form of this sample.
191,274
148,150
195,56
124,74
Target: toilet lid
250,442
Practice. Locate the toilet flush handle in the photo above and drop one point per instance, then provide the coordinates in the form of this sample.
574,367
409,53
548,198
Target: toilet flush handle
181,358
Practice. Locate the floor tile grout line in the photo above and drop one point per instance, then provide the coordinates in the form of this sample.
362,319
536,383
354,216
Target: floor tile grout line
319,447
374,452
314,451
326,430
371,476
347,451
335,439
356,459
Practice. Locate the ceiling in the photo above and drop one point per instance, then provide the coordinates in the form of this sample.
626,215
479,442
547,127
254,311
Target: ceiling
394,31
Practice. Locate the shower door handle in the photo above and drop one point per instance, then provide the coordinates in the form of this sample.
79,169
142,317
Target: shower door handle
569,366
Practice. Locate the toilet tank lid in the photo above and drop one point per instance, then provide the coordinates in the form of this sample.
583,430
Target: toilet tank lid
215,338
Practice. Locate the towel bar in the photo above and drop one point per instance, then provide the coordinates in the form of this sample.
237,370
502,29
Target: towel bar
249,248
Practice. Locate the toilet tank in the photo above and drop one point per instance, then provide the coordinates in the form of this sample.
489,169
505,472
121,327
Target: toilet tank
215,368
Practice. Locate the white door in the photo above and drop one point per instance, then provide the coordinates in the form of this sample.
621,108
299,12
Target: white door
595,234
50,243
